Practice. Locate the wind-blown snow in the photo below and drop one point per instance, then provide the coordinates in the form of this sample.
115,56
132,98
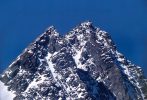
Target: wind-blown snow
4,93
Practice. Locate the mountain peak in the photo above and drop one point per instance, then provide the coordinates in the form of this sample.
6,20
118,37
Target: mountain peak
52,31
86,23
82,65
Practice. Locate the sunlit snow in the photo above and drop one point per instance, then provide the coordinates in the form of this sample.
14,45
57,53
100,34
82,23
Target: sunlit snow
4,93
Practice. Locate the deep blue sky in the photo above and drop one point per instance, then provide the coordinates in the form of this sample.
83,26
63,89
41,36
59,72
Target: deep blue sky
21,21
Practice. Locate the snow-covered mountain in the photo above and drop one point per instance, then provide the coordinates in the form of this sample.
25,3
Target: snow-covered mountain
82,65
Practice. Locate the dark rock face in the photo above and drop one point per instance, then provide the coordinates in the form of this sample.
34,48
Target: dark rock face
82,65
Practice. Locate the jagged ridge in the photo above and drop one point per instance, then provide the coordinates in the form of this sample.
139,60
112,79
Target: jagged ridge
84,64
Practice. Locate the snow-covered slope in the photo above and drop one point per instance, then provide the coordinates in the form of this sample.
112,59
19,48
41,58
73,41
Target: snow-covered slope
82,65
5,94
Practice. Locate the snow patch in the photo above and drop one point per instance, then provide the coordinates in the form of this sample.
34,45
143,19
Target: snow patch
77,57
30,51
4,93
51,65
35,82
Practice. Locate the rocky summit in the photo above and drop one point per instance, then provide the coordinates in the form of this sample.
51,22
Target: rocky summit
84,64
